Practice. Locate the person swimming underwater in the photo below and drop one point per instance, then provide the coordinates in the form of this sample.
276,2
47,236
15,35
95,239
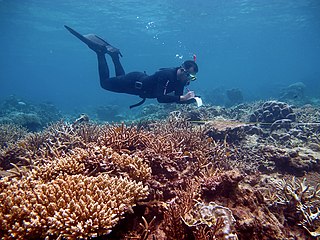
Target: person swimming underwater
166,85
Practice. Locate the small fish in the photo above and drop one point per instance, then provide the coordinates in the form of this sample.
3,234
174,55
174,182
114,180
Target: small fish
187,154
118,129
210,140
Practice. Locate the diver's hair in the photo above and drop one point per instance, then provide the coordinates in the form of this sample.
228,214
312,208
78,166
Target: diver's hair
189,63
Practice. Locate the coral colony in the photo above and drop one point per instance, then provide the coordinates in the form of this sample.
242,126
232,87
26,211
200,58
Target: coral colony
246,172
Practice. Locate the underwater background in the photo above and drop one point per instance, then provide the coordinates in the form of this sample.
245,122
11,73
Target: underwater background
77,163
258,47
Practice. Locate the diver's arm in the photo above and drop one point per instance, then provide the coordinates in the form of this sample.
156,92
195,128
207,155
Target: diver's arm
184,99
168,99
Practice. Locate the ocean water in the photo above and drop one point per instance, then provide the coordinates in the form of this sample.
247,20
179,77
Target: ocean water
254,45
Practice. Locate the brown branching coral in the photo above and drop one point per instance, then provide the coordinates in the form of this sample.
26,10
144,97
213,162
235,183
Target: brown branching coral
93,160
56,141
70,164
174,226
298,200
122,138
10,133
71,207
59,197
14,155
135,166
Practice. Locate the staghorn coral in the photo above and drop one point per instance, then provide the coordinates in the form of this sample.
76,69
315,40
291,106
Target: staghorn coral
176,208
298,200
71,207
70,164
122,138
56,141
10,133
13,155
135,166
93,160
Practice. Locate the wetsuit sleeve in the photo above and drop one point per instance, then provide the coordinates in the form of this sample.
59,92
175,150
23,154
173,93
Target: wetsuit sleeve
165,98
168,99
163,79
173,98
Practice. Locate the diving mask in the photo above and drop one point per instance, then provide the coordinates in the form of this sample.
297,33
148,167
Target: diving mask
190,77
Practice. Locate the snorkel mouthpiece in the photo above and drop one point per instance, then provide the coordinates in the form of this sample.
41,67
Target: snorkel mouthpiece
192,77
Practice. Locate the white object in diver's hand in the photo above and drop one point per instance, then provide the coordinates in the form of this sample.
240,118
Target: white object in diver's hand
199,101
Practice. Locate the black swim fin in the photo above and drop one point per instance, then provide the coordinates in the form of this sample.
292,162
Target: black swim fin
94,42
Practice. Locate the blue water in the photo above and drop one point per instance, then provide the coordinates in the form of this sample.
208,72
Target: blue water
258,46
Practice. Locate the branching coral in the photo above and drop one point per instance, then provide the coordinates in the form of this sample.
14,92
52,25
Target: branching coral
71,207
135,166
10,133
93,160
300,200
81,180
178,207
64,195
122,138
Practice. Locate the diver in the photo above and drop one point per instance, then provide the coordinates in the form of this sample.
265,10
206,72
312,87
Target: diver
166,85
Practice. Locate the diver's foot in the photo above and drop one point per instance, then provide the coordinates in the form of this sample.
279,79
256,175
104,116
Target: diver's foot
99,45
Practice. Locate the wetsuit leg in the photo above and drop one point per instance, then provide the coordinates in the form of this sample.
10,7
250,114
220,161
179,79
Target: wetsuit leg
117,64
103,68
104,73
122,83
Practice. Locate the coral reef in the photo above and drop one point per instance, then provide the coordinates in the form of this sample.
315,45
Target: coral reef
11,133
201,173
294,93
33,117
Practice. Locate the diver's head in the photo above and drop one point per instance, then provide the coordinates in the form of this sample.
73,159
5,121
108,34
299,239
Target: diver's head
190,65
187,71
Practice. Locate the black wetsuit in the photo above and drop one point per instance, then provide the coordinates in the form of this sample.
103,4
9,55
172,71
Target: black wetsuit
158,85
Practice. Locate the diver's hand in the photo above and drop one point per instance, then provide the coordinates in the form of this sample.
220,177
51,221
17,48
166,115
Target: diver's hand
189,95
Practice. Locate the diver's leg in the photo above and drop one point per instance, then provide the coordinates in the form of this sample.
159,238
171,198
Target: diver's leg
117,64
103,70
104,73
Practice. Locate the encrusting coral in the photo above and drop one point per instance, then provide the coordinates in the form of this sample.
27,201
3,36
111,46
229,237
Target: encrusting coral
214,216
